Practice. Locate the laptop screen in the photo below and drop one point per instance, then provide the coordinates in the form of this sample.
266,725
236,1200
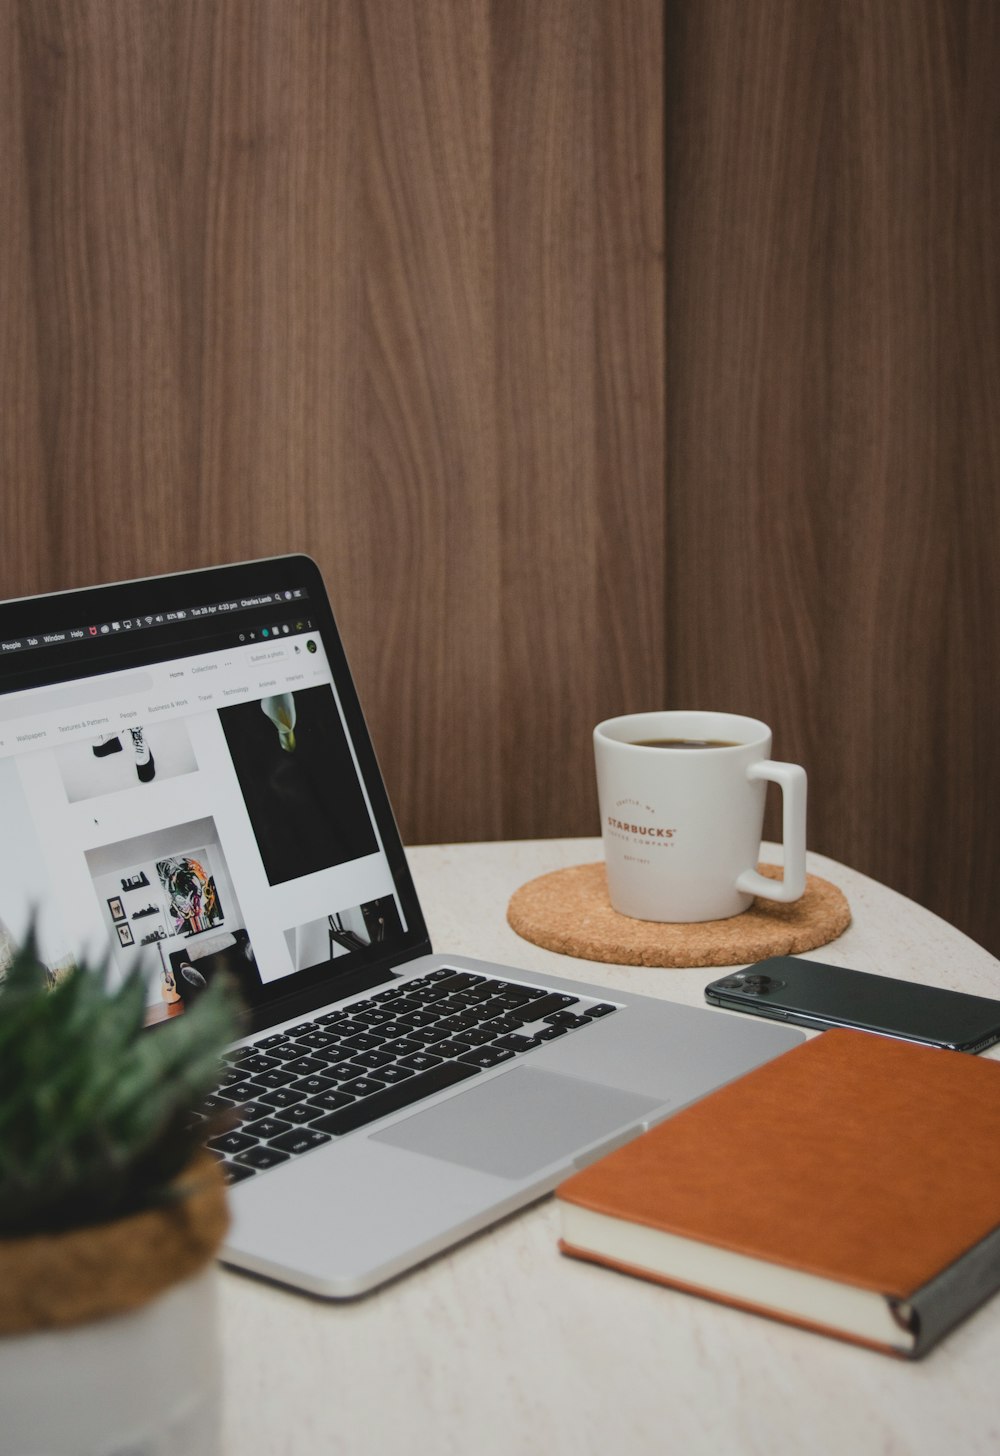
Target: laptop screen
187,783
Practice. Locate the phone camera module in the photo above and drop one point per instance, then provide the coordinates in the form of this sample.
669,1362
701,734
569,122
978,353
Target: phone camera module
759,983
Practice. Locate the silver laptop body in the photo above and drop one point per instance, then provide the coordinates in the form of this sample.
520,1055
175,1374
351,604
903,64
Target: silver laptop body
188,770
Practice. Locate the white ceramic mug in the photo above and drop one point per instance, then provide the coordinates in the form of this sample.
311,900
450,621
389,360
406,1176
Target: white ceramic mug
682,825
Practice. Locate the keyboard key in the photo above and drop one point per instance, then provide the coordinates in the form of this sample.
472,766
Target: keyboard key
419,1061
517,1042
281,1097
432,995
567,1019
555,1001
316,1083
247,1111
512,1000
362,1087
499,1025
371,1061
333,1018
299,1140
233,1173
275,1079
280,1038
318,1039
301,1029
262,1156
395,1074
227,1079
405,1045
601,1009
267,1127
302,1066
549,1033
457,1005
493,1007
476,995
232,1142
290,1051
428,1035
243,1091
213,1102
415,1018
460,980
404,1094
339,1070
350,1027
475,1037
452,1048
327,1101
376,1017
303,1112
458,1023
488,1056
412,1001
254,1062
363,1042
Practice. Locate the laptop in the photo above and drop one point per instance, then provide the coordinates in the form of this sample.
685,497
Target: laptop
186,777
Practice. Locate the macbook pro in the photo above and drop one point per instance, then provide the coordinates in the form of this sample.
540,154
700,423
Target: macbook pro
186,777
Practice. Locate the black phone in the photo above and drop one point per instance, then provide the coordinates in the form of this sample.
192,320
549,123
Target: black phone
810,993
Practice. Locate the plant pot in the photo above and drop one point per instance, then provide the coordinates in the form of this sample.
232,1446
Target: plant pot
108,1335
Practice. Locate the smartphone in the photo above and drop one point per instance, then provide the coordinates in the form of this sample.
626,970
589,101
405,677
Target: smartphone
810,993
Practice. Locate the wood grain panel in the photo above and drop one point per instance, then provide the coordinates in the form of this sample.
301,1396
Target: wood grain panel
378,281
578,136
23,537
430,417
833,457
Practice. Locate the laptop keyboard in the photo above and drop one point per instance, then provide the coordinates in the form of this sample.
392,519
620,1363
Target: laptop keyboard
299,1088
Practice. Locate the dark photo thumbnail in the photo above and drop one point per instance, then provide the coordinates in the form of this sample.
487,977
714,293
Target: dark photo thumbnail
362,929
299,783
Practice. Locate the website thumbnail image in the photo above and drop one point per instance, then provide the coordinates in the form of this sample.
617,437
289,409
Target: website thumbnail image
239,840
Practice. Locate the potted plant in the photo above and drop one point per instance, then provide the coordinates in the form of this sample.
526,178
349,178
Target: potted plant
111,1210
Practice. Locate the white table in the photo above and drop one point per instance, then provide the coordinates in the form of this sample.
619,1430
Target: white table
504,1346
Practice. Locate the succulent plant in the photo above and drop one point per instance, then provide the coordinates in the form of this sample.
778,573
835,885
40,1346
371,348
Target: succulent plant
97,1111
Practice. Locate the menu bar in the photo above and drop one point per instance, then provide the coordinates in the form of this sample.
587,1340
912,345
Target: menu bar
149,620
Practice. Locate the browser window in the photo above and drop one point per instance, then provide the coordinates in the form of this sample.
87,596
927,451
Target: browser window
191,810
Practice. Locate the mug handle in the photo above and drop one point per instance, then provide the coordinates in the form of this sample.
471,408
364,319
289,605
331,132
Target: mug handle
791,779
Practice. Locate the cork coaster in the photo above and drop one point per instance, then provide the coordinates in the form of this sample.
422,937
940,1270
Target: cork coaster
569,911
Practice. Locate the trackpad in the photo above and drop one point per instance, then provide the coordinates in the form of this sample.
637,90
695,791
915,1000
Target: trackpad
514,1125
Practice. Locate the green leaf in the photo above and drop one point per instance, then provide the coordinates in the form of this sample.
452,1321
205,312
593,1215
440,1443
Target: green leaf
95,1109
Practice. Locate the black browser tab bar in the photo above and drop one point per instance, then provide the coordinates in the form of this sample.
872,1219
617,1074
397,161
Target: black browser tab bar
148,621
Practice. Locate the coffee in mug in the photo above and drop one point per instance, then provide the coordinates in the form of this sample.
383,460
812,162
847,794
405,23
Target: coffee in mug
685,743
682,811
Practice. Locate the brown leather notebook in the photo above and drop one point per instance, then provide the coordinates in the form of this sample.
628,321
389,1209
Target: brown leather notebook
851,1186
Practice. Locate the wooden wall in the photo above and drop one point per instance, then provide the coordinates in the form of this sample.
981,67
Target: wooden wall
385,281
381,281
833,366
